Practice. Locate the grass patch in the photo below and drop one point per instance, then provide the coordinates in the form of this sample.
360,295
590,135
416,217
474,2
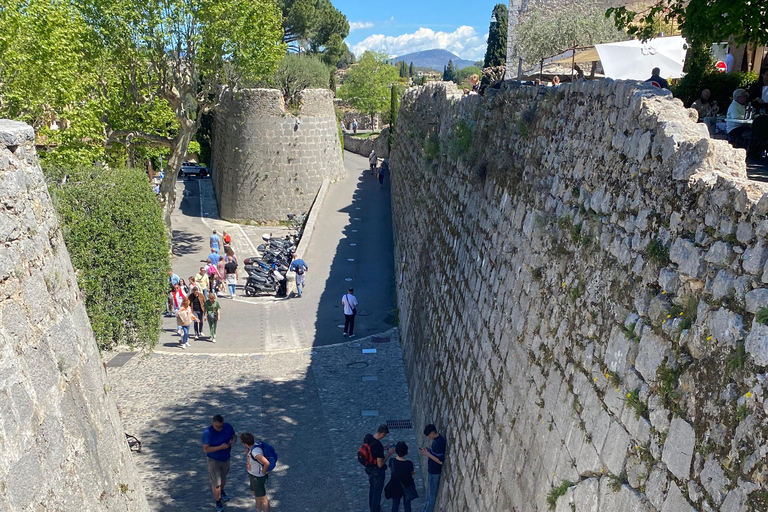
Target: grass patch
737,359
633,400
762,315
558,491
658,252
366,135
629,332
667,378
741,413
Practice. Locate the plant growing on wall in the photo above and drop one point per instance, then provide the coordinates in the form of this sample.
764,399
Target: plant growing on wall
366,86
294,74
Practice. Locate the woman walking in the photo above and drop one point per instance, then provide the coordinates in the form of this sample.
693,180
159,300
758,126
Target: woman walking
184,318
213,314
231,271
401,482
197,300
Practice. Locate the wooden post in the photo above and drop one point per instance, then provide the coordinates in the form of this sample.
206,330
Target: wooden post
573,61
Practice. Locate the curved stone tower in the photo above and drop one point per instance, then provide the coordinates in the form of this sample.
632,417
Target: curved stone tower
61,440
267,162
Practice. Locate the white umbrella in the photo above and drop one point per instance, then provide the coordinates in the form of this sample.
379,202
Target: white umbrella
634,60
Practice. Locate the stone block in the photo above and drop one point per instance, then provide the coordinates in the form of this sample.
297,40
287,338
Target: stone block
688,258
614,451
756,343
678,448
753,259
726,327
714,480
652,353
720,253
675,501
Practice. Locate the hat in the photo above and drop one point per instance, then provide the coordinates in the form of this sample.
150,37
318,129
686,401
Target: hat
738,93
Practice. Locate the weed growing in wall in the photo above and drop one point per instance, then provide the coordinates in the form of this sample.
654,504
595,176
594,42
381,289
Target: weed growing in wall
762,315
737,359
657,252
633,401
558,491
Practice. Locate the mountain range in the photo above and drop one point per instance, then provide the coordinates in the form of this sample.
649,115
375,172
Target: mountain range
436,59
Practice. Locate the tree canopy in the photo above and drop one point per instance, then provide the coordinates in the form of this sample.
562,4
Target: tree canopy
317,26
496,51
700,21
295,73
449,72
540,36
366,85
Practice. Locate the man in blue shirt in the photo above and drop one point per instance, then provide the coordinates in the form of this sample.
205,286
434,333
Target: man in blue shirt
217,445
300,268
214,257
173,278
436,456
215,241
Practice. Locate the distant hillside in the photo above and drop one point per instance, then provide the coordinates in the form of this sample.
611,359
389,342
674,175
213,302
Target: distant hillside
434,59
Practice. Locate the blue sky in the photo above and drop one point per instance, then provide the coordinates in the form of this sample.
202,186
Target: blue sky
401,26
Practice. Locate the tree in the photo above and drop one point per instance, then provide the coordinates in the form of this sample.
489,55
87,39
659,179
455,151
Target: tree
332,81
449,72
496,51
183,52
402,68
109,216
410,70
700,21
366,86
540,36
294,74
311,24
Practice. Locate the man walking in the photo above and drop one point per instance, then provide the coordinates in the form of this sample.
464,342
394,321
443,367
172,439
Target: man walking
258,467
217,444
436,456
377,471
373,162
350,311
230,269
299,268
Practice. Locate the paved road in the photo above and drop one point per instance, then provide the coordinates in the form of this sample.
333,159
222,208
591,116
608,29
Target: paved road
351,246
280,368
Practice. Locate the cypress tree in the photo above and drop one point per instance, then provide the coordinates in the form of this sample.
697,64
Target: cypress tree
496,52
450,72
410,70
332,81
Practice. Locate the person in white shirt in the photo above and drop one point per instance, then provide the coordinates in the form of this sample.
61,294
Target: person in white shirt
728,61
738,111
258,468
350,311
373,161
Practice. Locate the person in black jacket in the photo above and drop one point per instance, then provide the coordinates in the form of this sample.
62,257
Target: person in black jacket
758,92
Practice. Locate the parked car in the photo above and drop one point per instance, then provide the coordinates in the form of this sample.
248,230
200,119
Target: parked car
193,169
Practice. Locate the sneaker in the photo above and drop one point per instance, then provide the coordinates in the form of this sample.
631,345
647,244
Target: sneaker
219,506
345,335
182,345
213,340
351,335
224,496
186,345
197,337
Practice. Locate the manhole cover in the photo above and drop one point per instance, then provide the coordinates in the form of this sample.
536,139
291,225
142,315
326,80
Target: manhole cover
120,359
357,364
399,424
380,340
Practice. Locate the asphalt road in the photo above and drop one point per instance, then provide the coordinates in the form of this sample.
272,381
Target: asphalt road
351,247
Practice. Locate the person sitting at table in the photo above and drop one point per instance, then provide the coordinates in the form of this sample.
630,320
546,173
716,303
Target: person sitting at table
759,92
656,79
703,106
738,133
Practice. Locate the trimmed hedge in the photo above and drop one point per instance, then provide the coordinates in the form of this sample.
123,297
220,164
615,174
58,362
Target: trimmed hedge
114,232
720,85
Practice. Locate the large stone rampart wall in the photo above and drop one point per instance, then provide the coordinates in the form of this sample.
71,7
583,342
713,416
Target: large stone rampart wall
266,162
62,444
582,271
363,147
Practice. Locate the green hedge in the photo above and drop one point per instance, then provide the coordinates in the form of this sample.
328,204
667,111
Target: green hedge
721,85
114,232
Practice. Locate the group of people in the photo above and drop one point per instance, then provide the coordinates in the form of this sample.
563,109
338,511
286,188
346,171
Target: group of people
192,304
744,104
218,440
401,487
373,162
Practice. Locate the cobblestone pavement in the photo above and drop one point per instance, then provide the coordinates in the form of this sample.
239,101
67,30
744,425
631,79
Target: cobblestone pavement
281,368
309,405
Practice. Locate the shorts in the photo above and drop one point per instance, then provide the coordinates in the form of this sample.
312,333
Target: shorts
259,485
217,470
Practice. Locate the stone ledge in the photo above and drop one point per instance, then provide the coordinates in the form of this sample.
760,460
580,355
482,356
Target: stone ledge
15,133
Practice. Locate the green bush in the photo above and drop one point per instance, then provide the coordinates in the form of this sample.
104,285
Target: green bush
114,232
721,85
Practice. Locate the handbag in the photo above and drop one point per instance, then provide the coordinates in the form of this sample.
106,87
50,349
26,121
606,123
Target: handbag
212,316
354,310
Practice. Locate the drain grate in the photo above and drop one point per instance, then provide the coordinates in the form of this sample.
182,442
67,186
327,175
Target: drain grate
120,359
380,340
399,424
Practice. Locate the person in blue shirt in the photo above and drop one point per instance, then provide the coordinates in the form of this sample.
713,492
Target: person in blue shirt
217,445
214,258
215,242
300,268
173,278
436,456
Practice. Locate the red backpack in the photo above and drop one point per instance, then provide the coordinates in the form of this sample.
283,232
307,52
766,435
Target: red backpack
364,455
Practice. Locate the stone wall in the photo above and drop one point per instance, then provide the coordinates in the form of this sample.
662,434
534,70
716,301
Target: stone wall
363,147
582,297
266,162
61,440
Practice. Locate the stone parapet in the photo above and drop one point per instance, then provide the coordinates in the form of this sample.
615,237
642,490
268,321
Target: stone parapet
267,162
62,443
584,285
363,146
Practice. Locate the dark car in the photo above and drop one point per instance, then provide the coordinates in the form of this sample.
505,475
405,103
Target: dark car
193,169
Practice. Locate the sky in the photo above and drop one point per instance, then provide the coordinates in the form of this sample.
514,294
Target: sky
404,26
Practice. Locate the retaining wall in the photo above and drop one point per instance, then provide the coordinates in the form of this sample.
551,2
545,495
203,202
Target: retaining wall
266,162
581,273
62,444
363,147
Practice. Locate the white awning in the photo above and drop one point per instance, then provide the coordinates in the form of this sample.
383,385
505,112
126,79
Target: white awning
634,60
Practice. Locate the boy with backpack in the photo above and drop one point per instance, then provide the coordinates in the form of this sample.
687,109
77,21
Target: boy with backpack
261,460
372,456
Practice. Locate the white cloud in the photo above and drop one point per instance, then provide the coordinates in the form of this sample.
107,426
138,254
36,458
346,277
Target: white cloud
357,25
464,42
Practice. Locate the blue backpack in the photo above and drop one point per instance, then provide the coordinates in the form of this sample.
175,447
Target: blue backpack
269,453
